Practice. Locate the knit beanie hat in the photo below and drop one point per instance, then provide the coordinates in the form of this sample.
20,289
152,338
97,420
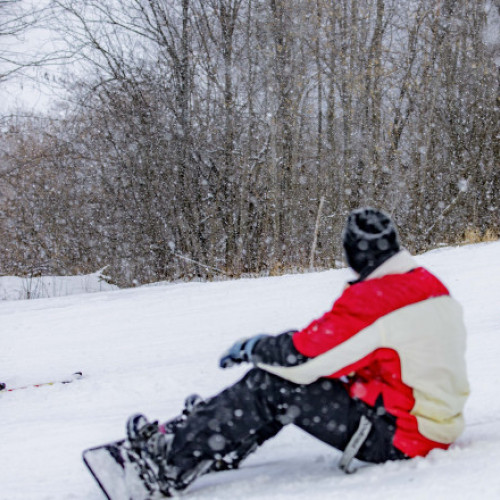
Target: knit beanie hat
370,238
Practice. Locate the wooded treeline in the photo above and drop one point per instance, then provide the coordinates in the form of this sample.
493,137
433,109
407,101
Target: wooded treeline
210,137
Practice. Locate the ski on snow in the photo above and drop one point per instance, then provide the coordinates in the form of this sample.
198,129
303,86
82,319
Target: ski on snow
67,380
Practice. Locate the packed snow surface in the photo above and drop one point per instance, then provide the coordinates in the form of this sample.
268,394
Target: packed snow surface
145,349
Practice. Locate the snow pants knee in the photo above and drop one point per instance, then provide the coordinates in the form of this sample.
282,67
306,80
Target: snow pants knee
260,404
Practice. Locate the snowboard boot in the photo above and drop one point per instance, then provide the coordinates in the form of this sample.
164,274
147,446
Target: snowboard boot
2,386
139,429
152,448
154,438
152,441
147,449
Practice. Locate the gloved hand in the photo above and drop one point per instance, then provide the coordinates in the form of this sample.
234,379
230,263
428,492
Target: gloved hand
240,351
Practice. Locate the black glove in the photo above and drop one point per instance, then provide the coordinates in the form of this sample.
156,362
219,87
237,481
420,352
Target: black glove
240,351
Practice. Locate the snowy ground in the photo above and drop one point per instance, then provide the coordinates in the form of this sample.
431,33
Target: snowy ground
146,349
42,287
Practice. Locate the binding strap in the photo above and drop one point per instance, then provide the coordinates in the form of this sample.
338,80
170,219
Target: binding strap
354,444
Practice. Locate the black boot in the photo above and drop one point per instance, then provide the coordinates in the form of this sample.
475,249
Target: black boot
148,451
151,442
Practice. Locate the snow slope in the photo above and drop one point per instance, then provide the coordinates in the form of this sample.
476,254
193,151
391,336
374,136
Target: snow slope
145,349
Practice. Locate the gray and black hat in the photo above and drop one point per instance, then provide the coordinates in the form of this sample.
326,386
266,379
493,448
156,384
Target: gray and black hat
369,238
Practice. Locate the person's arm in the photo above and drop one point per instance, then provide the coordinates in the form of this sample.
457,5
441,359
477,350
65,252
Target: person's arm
278,350
274,350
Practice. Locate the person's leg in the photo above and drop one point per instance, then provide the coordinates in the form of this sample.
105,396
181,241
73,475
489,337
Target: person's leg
256,408
331,415
238,417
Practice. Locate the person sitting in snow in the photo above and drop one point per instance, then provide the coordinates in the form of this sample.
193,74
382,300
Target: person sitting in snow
381,376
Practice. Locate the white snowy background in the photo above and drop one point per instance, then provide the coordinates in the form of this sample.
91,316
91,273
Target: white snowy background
145,349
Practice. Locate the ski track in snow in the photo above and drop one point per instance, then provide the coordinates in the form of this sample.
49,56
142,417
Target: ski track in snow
145,349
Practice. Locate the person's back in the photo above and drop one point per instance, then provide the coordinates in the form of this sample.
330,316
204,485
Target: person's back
399,336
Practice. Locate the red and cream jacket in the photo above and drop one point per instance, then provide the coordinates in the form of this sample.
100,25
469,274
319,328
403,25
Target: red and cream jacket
400,335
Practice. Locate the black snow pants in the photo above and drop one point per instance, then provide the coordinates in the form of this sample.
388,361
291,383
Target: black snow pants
260,404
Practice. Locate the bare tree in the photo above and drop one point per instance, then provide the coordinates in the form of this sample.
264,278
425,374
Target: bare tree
223,137
18,21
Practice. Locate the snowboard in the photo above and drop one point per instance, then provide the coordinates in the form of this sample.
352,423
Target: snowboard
116,468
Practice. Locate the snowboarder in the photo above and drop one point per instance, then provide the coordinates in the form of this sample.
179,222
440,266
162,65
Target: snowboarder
381,376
